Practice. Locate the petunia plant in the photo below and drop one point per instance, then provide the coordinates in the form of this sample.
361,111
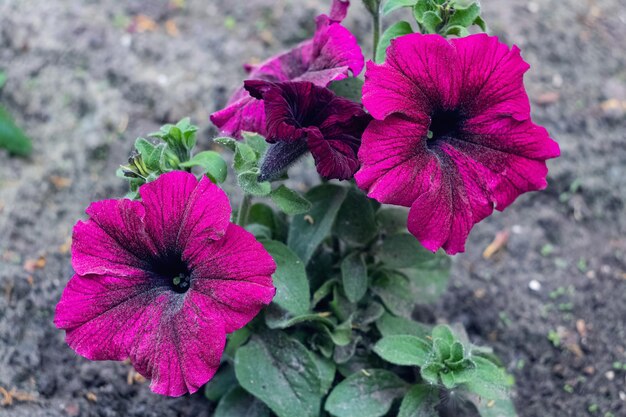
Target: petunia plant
302,302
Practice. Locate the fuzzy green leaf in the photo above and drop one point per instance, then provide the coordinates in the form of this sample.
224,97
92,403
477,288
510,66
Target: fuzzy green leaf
238,403
488,380
356,222
389,325
465,16
211,163
289,201
290,280
369,393
431,22
420,401
397,29
392,220
403,350
308,231
282,373
248,181
350,88
222,382
392,5
354,276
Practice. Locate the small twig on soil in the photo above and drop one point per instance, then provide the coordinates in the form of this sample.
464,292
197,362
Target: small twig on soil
9,396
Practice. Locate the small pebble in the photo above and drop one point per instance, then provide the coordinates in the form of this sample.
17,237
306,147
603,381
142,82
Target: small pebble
610,375
534,285
533,7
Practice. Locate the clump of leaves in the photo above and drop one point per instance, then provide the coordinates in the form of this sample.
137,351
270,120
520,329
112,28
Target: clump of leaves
170,149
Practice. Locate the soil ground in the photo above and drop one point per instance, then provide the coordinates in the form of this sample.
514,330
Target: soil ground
84,87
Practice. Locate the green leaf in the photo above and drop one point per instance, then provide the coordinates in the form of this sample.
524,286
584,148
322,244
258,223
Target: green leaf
356,222
290,280
443,333
259,231
282,373
420,8
3,78
368,315
222,382
420,401
308,231
279,318
404,251
389,325
397,29
431,22
354,276
394,290
369,393
495,408
248,181
327,370
481,24
211,163
226,142
465,16
403,350
235,340
350,88
458,31
245,157
392,5
488,380
289,201
256,142
12,138
392,220
238,403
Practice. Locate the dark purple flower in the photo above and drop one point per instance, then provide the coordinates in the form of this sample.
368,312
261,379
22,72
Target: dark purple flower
331,55
301,116
162,281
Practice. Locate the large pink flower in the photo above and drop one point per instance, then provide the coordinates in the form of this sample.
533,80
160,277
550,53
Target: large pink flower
162,281
330,56
453,136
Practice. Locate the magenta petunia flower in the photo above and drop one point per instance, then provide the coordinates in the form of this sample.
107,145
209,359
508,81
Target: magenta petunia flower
330,56
162,281
453,136
301,117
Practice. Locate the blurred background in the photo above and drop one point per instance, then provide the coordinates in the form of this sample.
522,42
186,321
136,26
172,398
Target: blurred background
544,283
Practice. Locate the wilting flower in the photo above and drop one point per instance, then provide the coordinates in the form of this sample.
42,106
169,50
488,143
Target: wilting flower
330,56
453,136
161,281
301,117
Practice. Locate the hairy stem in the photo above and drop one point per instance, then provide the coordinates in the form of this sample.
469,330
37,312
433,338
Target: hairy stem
244,210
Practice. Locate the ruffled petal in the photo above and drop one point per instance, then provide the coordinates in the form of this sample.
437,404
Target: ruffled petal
234,276
418,77
492,77
170,338
113,240
181,211
244,115
396,165
335,158
331,55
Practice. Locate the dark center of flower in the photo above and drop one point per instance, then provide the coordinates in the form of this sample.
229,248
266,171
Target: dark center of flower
181,283
444,123
174,272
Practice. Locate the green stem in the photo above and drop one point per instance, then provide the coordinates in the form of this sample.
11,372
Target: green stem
244,210
376,30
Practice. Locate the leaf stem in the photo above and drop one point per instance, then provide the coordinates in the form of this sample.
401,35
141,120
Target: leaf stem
244,210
